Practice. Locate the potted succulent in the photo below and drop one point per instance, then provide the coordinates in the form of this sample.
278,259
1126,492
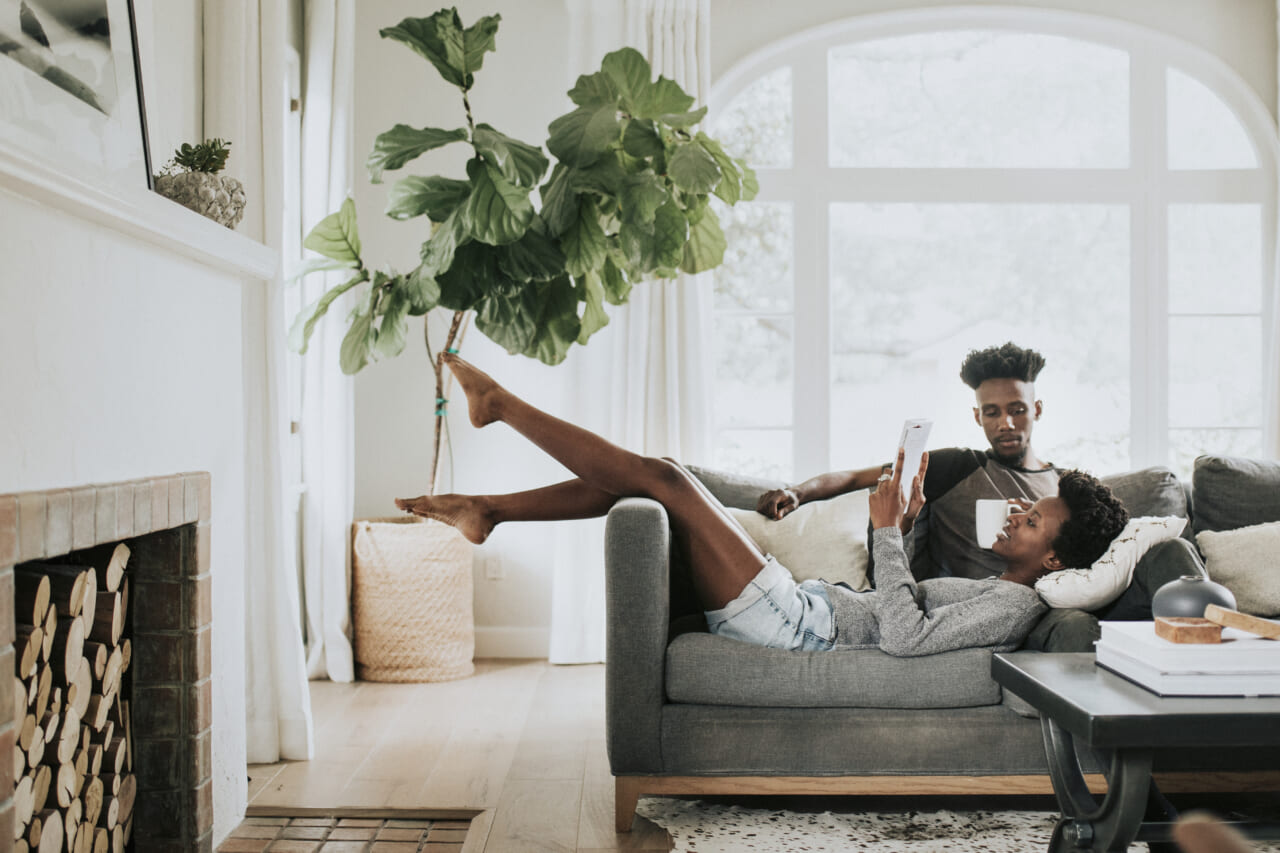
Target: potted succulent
628,199
191,179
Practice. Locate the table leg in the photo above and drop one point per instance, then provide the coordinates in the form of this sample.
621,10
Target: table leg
1086,825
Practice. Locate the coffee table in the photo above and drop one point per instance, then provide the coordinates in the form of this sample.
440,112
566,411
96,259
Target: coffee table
1080,700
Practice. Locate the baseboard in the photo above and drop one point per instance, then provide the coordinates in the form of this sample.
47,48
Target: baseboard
499,642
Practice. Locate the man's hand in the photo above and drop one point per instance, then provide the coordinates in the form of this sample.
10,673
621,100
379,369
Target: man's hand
777,503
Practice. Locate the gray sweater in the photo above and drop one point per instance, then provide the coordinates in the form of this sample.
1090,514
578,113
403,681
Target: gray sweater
904,618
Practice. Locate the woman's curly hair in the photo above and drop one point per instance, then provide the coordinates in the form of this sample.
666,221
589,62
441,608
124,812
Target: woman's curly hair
1097,517
1008,361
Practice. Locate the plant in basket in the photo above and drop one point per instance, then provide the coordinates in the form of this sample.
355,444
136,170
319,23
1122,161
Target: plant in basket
527,250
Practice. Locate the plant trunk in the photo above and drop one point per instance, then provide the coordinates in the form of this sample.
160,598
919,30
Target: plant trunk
452,339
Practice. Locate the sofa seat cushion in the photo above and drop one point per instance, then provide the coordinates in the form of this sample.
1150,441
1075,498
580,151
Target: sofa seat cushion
704,669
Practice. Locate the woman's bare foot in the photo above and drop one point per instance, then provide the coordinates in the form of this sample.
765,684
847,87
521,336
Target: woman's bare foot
483,394
469,514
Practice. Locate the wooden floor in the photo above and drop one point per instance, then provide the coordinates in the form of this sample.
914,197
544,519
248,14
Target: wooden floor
521,740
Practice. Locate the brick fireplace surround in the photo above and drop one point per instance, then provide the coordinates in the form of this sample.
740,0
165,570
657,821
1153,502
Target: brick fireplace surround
165,522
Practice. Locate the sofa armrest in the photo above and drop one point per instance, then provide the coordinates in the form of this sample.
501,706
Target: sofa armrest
637,589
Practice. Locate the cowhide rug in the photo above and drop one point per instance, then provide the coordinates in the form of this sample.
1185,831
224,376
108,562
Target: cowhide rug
698,826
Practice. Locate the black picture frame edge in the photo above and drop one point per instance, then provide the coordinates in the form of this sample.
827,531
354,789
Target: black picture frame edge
142,106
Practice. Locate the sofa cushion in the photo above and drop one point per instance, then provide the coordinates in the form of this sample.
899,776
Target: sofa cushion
734,489
1247,562
824,540
1149,491
709,670
1230,492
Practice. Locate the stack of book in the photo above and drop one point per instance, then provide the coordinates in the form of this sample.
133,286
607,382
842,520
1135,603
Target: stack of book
1243,664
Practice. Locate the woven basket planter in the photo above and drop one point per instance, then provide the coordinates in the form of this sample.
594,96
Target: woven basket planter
411,601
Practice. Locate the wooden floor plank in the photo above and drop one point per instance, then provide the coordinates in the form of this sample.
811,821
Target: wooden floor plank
536,816
595,821
553,744
475,761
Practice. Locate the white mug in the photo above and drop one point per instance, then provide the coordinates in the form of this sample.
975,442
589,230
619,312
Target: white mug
989,517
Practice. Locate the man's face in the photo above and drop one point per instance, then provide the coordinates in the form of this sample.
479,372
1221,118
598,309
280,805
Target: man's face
1028,536
1007,409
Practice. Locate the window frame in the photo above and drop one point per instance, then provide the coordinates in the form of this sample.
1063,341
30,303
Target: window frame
1146,186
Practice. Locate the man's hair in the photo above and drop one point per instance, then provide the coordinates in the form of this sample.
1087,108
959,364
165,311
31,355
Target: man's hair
1097,517
1008,361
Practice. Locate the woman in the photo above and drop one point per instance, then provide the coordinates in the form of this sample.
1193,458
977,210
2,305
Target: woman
746,594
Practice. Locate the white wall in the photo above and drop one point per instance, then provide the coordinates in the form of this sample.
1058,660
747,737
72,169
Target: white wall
124,359
519,90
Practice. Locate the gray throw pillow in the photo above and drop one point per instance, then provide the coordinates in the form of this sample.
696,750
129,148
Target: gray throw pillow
1229,492
1150,491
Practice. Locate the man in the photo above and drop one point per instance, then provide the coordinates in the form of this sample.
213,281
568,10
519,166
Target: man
943,538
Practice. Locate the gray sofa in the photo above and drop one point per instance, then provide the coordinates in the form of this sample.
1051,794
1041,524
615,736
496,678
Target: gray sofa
692,713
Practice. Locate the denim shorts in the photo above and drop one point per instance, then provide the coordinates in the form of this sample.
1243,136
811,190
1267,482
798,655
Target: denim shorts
775,611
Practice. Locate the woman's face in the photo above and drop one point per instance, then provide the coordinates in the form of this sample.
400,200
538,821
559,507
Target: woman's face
1027,537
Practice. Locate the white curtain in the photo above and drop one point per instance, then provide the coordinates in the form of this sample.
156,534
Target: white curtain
1271,405
653,357
244,58
328,417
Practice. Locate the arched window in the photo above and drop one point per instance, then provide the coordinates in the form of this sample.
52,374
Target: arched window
943,180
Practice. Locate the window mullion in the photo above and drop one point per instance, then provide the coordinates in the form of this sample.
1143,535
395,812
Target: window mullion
812,377
1149,291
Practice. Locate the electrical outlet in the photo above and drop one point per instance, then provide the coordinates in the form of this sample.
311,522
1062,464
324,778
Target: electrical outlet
493,568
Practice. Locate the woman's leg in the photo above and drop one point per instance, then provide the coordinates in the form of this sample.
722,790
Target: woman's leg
722,558
475,516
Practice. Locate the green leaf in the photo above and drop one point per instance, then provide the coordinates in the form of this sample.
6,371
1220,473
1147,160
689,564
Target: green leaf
638,247
556,323
617,290
583,243
435,196
641,139
389,337
499,211
580,137
594,318
397,146
479,39
354,352
729,190
594,90
305,323
534,257
473,276
692,169
519,162
559,202
422,291
665,97
670,232
705,249
437,253
508,320
641,197
683,120
336,236
441,40
629,72
319,265
605,177
750,184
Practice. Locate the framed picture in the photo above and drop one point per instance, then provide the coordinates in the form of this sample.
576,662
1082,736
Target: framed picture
71,91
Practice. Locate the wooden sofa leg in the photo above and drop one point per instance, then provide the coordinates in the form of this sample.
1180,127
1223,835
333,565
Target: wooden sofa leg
626,794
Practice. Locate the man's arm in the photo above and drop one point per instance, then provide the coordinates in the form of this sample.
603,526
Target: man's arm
779,502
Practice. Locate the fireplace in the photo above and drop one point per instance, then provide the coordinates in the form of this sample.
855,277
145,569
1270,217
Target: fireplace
164,522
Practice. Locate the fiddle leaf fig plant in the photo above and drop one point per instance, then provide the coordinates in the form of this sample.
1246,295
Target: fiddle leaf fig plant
627,199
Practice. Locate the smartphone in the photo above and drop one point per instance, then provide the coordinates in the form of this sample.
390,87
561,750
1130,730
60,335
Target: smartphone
915,437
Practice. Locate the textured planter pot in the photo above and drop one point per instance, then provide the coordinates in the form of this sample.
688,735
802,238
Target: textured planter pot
411,601
219,197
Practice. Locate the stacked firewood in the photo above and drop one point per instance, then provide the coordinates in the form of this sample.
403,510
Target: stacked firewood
73,760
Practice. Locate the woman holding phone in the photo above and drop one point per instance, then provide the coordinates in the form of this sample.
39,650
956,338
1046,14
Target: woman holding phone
746,594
